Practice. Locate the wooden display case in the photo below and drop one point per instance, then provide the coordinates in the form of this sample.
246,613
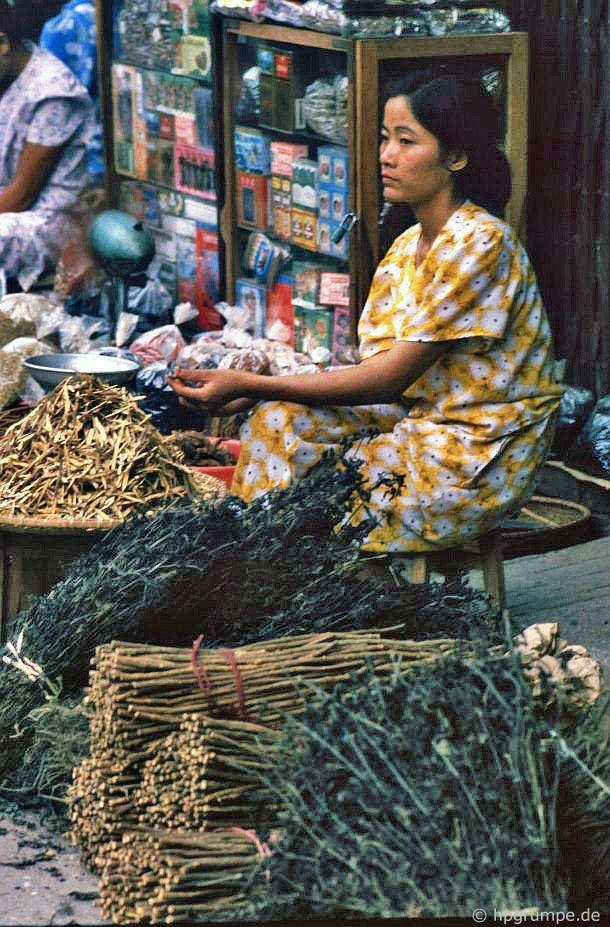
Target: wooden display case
367,64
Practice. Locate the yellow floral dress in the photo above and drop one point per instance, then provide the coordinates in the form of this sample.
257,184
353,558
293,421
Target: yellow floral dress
473,430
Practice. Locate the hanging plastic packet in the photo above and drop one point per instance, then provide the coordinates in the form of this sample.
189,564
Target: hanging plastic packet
264,258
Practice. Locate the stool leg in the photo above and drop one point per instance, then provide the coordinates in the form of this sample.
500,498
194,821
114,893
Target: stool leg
492,564
420,569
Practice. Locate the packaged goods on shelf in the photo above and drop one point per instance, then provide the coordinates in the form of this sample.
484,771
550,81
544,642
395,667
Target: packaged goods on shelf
252,191
195,171
252,150
334,289
324,107
252,296
333,167
313,327
164,34
307,276
343,342
208,277
279,322
281,89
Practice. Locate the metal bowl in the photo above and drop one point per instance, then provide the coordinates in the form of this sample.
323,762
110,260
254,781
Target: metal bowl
51,369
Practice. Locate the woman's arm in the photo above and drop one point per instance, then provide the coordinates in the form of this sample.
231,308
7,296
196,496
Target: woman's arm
35,167
382,378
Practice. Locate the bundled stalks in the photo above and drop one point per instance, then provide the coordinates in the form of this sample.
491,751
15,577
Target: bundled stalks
427,795
139,696
173,877
86,452
207,776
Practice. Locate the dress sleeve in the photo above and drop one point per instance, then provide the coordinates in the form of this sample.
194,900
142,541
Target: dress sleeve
465,290
55,120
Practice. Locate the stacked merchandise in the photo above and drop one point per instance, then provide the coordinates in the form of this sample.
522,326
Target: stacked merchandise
376,18
293,201
163,128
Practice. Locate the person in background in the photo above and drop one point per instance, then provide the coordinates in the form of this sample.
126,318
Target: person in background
71,37
46,120
456,369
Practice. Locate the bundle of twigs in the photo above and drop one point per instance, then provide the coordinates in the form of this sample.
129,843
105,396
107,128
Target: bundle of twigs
140,692
206,776
139,695
86,452
171,877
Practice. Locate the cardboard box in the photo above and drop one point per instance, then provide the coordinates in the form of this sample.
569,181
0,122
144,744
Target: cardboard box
208,278
281,206
204,116
281,90
185,130
304,184
307,279
252,296
334,289
304,226
343,343
195,171
196,56
282,156
160,162
325,244
338,205
333,167
252,199
279,322
252,150
313,327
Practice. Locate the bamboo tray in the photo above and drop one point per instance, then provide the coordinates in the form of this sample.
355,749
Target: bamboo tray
20,524
544,520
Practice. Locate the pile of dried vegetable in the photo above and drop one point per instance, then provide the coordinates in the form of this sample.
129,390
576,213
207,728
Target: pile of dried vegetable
87,452
220,570
432,795
139,695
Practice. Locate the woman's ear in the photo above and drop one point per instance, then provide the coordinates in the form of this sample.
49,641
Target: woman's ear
457,160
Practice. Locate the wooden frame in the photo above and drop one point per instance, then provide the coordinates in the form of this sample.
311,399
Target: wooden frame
364,64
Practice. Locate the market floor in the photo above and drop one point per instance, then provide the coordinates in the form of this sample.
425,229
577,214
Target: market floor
42,882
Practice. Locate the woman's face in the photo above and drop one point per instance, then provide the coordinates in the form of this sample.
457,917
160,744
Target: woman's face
412,170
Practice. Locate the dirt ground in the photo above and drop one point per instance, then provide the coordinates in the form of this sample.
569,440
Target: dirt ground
42,882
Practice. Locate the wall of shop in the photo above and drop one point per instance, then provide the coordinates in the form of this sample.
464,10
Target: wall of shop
569,176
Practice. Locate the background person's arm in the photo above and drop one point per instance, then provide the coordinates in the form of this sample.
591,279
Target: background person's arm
34,169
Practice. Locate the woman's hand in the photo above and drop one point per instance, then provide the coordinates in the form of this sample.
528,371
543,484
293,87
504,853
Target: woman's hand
217,391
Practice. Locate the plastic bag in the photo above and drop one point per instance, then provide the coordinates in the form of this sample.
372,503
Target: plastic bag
325,107
574,408
158,400
159,344
595,436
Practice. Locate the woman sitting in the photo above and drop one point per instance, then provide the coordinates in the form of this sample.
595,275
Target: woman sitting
456,370
46,120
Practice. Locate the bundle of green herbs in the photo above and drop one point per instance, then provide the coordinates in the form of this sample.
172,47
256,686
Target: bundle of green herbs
430,795
232,572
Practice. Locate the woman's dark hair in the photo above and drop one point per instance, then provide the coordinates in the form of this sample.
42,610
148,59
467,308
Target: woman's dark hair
25,18
463,116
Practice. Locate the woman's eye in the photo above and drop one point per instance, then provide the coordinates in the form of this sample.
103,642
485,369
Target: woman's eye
406,141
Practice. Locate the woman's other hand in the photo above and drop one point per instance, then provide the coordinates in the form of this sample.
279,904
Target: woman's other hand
216,391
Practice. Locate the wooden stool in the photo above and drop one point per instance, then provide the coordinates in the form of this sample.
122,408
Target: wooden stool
485,552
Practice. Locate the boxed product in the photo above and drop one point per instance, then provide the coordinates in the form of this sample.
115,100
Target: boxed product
252,193
338,205
325,229
282,156
195,56
343,341
186,270
167,126
307,280
279,322
304,184
324,203
281,90
251,295
333,289
194,171
281,205
185,129
123,109
333,161
304,229
204,116
208,277
160,161
252,150
313,327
